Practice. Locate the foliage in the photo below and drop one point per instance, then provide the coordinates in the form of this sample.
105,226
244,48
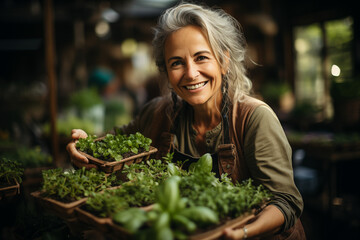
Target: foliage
64,125
33,157
10,170
274,91
345,90
144,178
169,217
73,185
85,98
29,156
305,110
221,195
114,147
188,200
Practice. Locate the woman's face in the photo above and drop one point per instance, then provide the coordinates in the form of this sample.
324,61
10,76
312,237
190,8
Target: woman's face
192,69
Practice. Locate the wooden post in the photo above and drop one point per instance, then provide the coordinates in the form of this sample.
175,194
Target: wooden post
50,67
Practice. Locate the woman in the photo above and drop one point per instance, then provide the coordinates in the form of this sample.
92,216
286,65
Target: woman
202,51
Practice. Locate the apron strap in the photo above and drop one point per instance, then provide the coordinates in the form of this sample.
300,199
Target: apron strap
166,144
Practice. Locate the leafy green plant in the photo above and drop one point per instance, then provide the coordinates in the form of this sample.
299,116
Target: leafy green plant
72,185
273,91
114,147
33,157
85,98
10,170
222,196
169,218
345,90
139,191
64,125
187,201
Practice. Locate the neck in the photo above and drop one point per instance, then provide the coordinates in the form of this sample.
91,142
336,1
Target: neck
208,115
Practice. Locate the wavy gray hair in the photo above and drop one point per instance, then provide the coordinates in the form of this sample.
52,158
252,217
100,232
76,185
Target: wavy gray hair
224,35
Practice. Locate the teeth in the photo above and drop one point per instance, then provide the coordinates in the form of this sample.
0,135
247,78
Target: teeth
192,87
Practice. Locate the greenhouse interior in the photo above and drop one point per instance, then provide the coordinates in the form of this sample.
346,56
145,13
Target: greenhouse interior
90,65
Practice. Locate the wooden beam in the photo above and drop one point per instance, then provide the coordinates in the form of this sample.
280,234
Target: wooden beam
52,82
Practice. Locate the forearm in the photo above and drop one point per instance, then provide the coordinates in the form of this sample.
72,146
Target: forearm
268,222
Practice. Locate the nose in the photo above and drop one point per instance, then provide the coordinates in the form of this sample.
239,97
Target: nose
191,71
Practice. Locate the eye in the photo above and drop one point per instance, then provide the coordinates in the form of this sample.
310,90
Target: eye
176,63
201,58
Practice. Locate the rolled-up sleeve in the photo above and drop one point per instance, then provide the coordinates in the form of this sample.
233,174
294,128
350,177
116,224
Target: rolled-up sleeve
269,157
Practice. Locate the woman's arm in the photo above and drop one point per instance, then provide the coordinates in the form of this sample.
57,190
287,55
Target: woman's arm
268,157
266,223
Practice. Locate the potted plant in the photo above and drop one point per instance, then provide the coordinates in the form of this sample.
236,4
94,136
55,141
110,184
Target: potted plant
63,191
138,191
113,151
10,177
192,205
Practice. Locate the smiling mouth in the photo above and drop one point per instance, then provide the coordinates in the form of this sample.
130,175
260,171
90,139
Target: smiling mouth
195,86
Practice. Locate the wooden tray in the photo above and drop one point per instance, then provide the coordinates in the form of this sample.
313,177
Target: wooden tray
118,232
103,224
9,191
217,232
98,223
60,209
109,167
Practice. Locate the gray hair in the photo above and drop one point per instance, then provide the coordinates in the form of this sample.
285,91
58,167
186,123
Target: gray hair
224,35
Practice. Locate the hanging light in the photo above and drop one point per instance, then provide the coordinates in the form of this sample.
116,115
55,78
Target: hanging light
102,28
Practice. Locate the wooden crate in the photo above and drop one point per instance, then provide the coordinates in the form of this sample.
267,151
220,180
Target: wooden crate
10,191
60,209
109,167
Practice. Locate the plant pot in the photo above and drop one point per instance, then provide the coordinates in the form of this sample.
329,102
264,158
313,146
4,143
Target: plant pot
63,210
103,224
118,232
10,191
217,232
109,167
94,222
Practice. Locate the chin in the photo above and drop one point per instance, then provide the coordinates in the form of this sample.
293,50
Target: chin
197,102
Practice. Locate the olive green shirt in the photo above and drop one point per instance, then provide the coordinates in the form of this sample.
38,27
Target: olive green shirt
266,151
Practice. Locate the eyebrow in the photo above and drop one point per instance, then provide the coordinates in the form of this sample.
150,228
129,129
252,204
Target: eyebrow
196,54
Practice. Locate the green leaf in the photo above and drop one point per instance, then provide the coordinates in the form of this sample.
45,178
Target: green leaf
132,219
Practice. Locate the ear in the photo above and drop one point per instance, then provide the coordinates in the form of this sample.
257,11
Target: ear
224,68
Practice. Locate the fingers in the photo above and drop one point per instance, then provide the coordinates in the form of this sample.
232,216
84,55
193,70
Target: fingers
75,155
78,133
82,164
230,233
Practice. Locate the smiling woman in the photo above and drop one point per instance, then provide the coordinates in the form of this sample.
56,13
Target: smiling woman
192,69
201,51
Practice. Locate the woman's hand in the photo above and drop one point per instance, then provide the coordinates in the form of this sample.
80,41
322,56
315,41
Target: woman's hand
266,223
233,234
78,159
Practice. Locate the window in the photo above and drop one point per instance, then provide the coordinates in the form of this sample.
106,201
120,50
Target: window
323,55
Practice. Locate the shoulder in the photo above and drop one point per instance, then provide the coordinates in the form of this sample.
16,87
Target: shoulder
250,111
246,106
249,102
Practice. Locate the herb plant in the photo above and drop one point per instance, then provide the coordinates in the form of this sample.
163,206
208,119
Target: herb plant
68,186
187,201
10,170
139,191
169,218
114,147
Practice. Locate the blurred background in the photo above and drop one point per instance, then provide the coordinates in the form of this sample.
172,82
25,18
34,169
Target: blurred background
88,64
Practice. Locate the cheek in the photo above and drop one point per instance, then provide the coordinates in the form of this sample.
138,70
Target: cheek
173,79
